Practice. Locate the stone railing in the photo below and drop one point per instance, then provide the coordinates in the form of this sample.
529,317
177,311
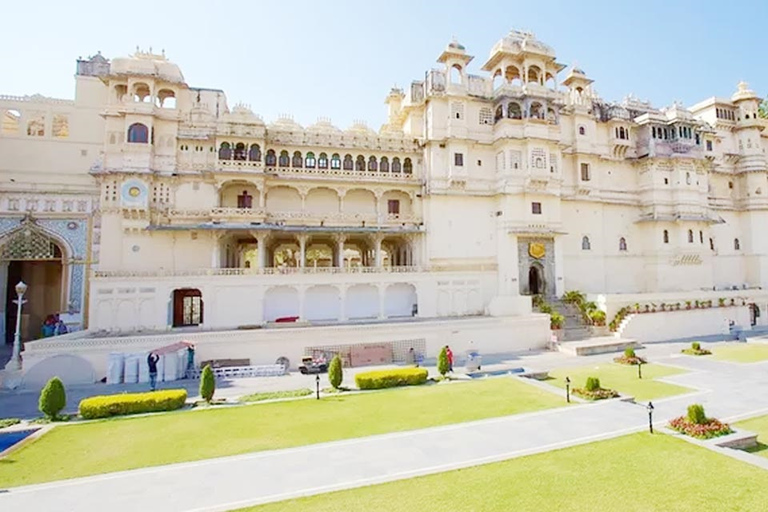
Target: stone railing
103,274
36,98
331,218
240,165
344,173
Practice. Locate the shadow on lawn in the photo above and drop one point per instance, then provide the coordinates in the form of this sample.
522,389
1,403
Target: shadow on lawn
757,449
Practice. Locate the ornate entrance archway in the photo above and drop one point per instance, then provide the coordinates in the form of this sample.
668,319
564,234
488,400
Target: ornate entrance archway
535,280
29,254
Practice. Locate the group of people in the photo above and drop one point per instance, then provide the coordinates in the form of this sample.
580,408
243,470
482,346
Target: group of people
53,326
153,359
417,358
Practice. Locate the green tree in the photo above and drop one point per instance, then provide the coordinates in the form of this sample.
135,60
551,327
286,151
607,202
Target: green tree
442,362
762,110
335,372
53,398
207,384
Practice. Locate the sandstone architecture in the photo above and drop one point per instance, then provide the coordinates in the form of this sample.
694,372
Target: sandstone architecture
148,204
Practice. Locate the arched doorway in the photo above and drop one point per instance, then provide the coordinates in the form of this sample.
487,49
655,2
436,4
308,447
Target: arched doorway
535,280
28,254
187,307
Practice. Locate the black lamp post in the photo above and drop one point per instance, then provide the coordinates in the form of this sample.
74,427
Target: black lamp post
317,386
639,369
568,389
650,416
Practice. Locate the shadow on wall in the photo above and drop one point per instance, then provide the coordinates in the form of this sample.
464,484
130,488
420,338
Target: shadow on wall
72,370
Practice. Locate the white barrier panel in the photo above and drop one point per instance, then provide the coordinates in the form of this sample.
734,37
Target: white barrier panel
143,367
131,373
115,367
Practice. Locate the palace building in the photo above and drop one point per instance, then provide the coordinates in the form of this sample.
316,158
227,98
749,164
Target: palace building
148,205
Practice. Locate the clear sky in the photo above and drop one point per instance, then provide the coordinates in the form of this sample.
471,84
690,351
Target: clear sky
338,58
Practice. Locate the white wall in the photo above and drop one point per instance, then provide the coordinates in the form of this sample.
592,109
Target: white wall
670,325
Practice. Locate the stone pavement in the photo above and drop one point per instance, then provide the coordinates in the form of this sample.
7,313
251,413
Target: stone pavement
728,391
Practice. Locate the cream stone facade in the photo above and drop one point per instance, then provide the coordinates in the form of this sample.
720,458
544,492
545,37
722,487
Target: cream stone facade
479,191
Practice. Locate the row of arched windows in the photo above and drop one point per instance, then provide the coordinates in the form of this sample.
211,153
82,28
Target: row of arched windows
310,161
586,245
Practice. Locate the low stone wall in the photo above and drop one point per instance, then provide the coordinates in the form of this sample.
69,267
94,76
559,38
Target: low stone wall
670,325
263,346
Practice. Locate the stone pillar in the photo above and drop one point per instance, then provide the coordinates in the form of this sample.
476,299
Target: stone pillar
215,252
377,248
262,198
302,250
340,238
261,241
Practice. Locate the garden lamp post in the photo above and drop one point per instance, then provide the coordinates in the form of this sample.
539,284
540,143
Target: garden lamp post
15,362
317,386
639,369
568,389
650,416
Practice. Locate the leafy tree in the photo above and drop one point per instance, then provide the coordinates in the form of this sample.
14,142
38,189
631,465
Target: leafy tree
53,398
207,384
443,366
335,372
763,109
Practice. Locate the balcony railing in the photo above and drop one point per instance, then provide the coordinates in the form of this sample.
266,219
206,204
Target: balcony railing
224,214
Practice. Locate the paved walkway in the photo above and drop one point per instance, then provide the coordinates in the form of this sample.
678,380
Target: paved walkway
727,390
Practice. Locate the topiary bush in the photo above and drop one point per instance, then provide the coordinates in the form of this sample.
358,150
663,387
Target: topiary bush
696,414
443,365
380,379
335,372
629,352
593,384
132,403
53,398
207,384
696,345
597,317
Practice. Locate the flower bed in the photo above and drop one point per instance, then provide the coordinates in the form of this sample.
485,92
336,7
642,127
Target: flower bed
629,360
711,428
597,394
694,352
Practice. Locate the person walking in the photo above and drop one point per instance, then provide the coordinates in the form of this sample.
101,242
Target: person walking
449,353
152,360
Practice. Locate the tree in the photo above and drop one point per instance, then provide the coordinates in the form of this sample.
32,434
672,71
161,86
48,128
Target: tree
335,372
207,384
53,398
443,366
762,109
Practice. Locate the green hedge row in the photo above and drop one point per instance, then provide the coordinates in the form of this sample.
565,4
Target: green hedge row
132,403
380,379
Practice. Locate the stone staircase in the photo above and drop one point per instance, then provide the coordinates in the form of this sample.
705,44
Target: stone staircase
573,325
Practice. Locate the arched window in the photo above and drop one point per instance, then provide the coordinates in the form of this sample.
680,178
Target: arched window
736,244
360,163
687,178
499,113
240,152
407,166
310,160
297,160
701,237
254,154
514,111
322,161
536,111
622,244
690,236
396,164
284,159
585,245
455,74
225,151
349,164
711,244
666,236
582,130
138,133
372,164
384,164
335,161
270,159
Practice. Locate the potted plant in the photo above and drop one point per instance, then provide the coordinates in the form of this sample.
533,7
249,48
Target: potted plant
653,307
637,307
647,308
733,302
663,307
721,302
687,304
677,306
697,304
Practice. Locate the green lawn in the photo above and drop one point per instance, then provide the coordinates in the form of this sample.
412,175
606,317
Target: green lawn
742,352
641,472
119,444
760,427
623,378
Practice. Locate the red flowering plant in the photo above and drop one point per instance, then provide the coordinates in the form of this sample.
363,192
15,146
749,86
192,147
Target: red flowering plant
696,424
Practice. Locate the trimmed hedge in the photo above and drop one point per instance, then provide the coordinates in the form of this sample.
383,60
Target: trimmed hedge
132,403
379,379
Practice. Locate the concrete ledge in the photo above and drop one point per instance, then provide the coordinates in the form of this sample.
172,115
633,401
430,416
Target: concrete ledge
739,440
597,346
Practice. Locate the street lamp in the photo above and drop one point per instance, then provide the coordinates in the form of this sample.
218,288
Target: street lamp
317,386
15,362
639,369
568,389
650,416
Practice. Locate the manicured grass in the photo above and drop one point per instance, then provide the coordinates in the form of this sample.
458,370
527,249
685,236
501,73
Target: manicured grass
641,472
760,427
9,422
118,444
742,352
623,378
272,395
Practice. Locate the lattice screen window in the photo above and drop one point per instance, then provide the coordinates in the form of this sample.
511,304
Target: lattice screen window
457,110
60,126
538,158
515,158
486,116
161,193
110,191
28,244
500,161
